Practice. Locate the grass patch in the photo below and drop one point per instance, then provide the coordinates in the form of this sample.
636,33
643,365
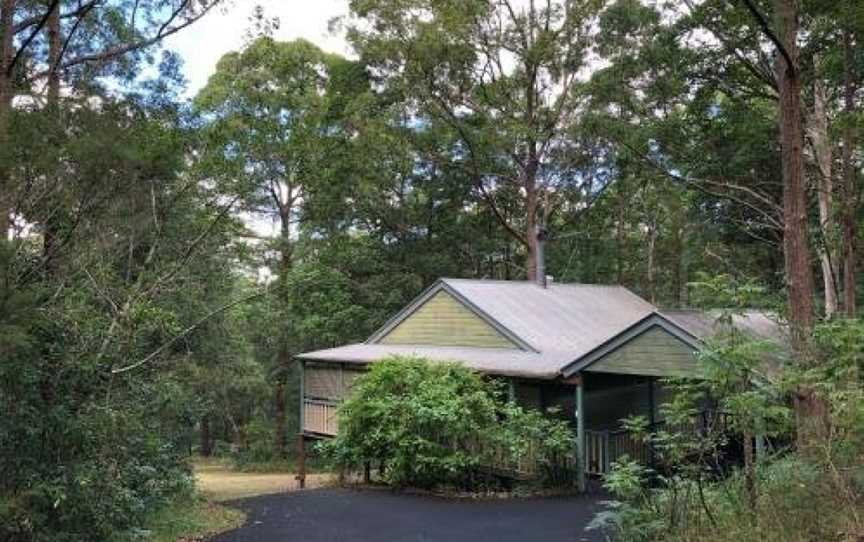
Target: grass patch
314,464
189,519
220,482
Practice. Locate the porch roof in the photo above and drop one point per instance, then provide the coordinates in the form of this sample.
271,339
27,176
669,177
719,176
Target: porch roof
497,361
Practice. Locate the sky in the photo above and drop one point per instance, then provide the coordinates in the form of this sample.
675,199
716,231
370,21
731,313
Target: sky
224,30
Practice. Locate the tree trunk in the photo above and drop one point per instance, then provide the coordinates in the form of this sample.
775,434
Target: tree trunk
280,416
53,209
619,239
796,250
286,250
817,128
7,49
850,192
799,276
679,269
651,263
55,43
531,203
206,437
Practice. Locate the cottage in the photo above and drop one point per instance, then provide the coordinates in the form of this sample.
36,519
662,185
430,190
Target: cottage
590,353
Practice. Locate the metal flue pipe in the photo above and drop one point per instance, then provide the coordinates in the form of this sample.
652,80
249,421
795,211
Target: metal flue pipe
540,255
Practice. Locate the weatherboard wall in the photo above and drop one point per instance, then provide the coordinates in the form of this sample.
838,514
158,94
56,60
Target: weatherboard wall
444,321
656,352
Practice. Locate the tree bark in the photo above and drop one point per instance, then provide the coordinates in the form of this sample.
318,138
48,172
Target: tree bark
619,239
850,192
286,253
280,415
7,51
53,206
799,275
651,263
809,406
817,129
206,437
55,44
531,203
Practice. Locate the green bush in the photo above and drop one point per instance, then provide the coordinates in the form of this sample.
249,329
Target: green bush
791,494
434,424
102,492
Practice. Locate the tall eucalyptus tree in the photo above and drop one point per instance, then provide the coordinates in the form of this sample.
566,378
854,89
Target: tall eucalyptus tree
504,77
273,126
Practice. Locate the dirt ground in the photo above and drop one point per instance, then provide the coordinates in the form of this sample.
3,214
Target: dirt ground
219,483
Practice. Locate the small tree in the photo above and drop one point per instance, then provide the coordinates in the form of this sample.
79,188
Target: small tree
416,417
432,423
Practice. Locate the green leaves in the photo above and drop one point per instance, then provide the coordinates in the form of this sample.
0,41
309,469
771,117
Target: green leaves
434,424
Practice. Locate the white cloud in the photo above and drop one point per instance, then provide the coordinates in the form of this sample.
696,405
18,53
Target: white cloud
223,30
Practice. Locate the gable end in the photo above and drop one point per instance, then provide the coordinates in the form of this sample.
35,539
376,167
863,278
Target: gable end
654,352
443,320
645,363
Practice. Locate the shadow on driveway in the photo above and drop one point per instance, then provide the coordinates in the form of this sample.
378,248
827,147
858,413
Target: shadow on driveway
333,515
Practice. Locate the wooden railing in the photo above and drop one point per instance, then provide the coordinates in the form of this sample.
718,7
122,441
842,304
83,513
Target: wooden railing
500,460
319,417
705,422
528,465
602,448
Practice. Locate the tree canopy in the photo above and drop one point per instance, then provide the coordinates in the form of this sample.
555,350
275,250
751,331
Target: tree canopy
163,260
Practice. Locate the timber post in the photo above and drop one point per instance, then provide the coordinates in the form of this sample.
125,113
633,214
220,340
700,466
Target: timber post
652,419
301,461
579,413
301,441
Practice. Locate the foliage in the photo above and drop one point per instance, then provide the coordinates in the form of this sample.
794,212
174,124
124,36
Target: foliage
530,434
795,502
786,494
109,308
431,424
420,418
499,88
643,135
186,518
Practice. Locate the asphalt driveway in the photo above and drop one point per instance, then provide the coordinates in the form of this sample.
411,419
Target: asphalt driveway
336,515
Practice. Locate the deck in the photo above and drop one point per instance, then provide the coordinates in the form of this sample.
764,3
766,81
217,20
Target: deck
602,448
319,417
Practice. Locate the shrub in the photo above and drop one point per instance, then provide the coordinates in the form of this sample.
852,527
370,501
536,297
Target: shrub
432,424
809,493
116,468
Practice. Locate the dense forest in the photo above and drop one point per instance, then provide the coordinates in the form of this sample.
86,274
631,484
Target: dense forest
145,313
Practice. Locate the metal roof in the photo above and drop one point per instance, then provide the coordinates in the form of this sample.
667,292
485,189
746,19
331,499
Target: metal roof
572,318
556,326
497,361
705,324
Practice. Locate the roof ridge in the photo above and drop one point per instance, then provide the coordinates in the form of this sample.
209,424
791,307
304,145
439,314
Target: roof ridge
552,284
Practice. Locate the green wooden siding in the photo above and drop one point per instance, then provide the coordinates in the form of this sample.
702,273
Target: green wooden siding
655,352
444,321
